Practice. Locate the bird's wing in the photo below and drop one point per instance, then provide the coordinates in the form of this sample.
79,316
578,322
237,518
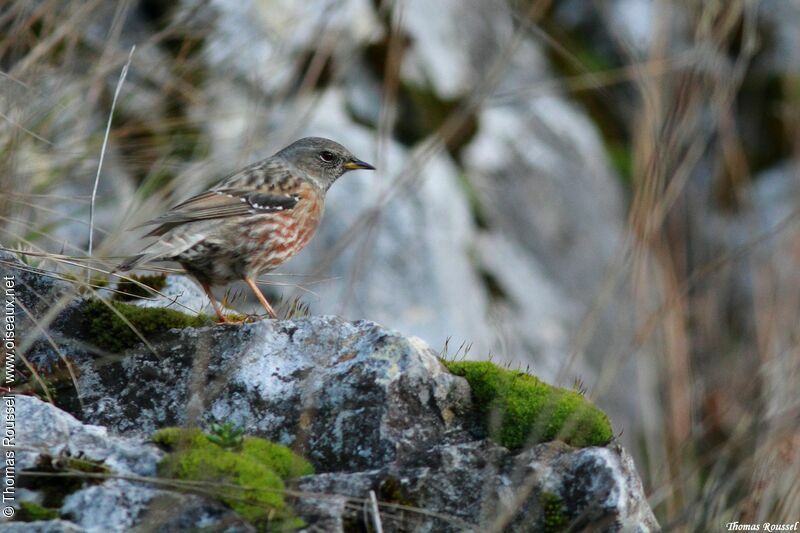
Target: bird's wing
222,203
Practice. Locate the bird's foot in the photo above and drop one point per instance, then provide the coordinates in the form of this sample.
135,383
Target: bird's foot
237,318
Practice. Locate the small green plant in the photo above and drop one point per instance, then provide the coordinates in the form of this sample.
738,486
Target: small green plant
250,479
105,329
518,409
32,512
554,513
227,436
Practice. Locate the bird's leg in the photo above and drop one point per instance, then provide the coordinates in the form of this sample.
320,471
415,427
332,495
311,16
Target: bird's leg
214,302
261,297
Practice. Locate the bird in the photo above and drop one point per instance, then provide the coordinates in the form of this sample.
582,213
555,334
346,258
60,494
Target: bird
252,221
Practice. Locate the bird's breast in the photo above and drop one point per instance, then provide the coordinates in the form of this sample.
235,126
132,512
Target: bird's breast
278,236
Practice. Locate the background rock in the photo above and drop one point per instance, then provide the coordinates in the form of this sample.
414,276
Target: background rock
479,482
451,486
344,395
372,410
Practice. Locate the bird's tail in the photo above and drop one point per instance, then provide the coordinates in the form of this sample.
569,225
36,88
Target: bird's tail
163,250
131,263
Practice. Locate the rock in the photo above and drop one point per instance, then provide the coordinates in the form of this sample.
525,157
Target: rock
275,34
530,193
345,395
369,408
35,288
535,173
50,431
453,44
453,486
527,296
780,56
471,485
530,189
43,526
181,293
48,436
448,487
116,505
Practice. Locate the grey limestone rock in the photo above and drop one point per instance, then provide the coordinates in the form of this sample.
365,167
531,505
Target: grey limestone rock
479,485
371,409
42,526
346,395
46,434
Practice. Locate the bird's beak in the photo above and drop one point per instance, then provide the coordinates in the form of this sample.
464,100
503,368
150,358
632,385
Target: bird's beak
356,164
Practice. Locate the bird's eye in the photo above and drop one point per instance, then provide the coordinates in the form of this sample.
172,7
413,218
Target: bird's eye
327,156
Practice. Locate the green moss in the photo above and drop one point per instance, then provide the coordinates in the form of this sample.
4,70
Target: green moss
249,480
520,409
31,512
130,290
106,330
286,463
554,513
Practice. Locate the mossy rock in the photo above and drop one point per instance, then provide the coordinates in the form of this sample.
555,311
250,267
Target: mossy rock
104,327
519,409
249,479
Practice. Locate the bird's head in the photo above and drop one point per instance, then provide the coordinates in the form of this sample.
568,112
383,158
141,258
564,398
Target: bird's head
322,159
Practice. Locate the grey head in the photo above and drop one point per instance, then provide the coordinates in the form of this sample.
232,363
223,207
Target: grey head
321,159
